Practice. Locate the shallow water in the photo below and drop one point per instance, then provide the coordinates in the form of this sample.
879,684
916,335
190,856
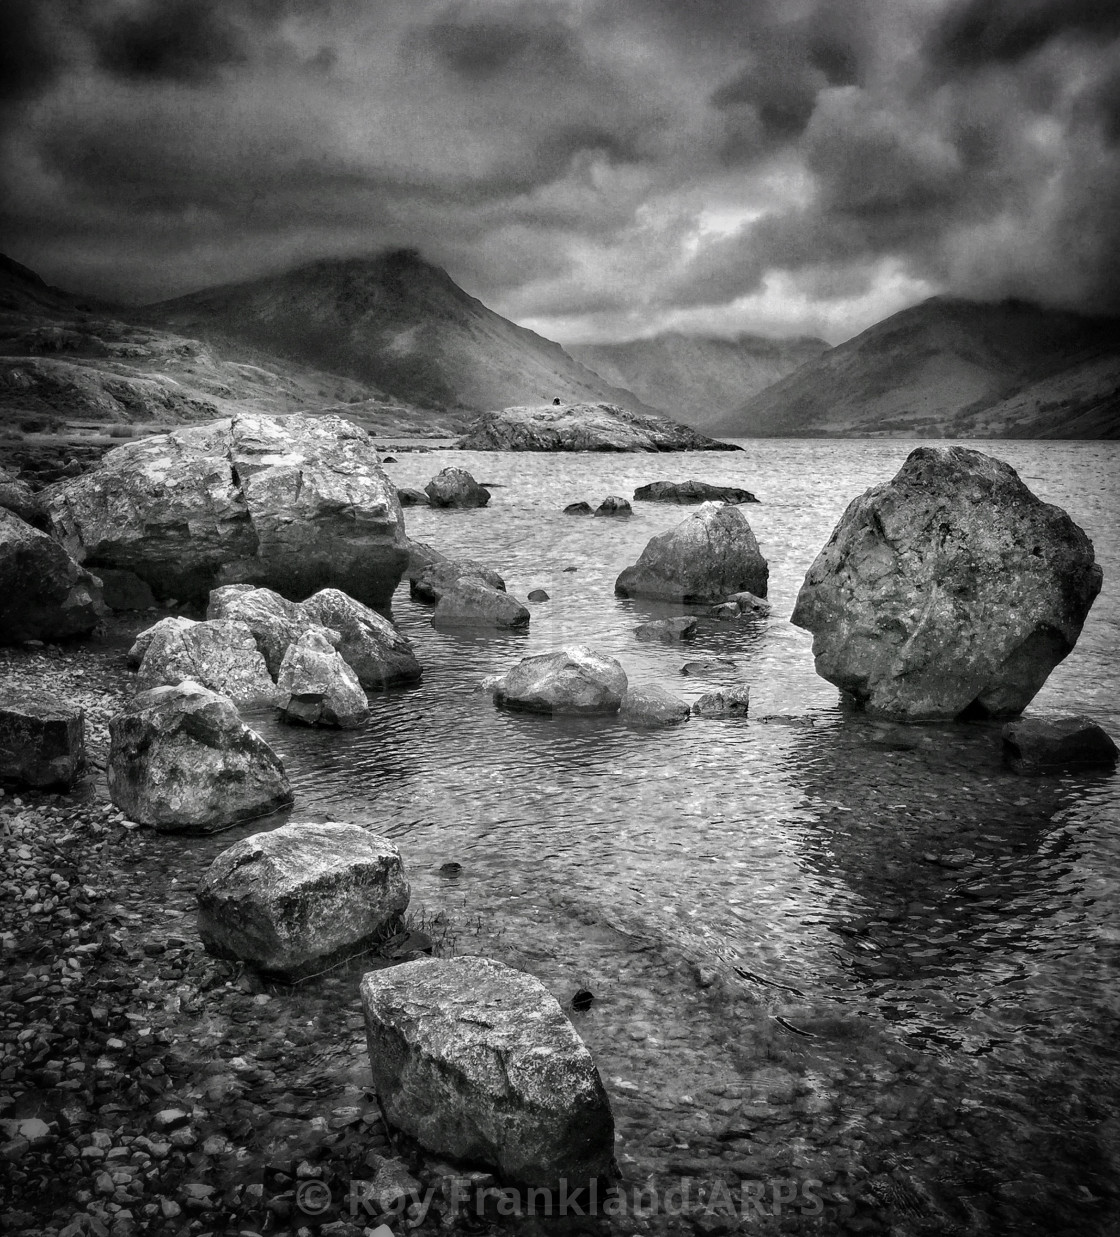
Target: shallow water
932,945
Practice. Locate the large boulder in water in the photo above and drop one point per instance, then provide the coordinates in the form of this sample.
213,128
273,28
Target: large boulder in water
316,687
575,680
455,487
1047,744
949,590
295,503
431,580
44,594
471,603
180,758
219,654
582,427
292,901
477,1061
705,558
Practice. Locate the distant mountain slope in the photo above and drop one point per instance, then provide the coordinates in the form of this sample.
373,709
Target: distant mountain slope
952,368
698,378
398,322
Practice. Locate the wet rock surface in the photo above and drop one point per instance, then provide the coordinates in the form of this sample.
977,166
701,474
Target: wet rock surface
614,505
728,702
951,588
432,579
648,706
468,602
575,680
455,487
1039,744
691,492
666,631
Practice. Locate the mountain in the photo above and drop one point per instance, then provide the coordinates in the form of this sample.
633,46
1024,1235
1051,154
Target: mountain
398,322
952,368
697,378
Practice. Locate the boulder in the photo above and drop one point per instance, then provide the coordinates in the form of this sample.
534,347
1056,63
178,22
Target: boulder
581,427
470,603
140,646
124,590
667,631
420,554
295,900
410,497
42,739
20,499
44,594
1037,744
578,509
295,503
180,758
691,492
728,702
949,590
477,1061
575,680
455,487
537,594
370,645
651,706
706,557
613,505
274,621
316,687
433,579
220,654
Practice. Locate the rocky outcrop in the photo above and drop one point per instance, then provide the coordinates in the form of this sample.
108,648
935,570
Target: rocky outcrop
728,702
651,706
949,590
433,579
581,427
219,654
44,594
667,631
42,740
180,758
293,901
614,505
477,1061
455,487
691,492
706,558
575,680
295,503
1040,745
316,687
471,603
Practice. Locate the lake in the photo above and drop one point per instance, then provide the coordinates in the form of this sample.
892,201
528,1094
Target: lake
848,958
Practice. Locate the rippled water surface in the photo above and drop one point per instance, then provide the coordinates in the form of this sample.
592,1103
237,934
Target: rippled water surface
908,954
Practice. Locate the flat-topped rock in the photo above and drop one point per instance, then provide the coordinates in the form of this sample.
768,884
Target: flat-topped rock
691,492
1044,744
468,602
432,579
42,739
478,1062
581,427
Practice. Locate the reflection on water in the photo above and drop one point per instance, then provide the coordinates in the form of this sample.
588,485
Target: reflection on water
819,944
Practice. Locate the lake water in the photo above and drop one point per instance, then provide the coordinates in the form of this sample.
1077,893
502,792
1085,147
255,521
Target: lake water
928,1020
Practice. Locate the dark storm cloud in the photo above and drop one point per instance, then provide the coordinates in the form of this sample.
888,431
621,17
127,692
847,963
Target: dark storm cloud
176,40
978,32
478,45
29,56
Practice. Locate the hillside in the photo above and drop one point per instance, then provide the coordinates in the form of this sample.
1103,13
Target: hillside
698,378
397,322
951,368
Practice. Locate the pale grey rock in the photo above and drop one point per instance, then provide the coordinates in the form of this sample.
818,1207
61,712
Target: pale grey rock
44,593
705,558
748,603
293,901
180,758
727,702
471,603
144,639
477,1061
667,631
725,610
574,680
1044,744
274,621
42,739
316,687
293,503
220,654
455,487
650,706
949,590
581,427
434,578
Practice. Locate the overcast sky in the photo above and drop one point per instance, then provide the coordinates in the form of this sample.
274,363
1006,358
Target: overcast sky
593,169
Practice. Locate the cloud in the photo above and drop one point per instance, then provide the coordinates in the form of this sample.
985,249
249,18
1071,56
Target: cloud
172,40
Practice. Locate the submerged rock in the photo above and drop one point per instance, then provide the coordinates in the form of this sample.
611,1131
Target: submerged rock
477,1061
575,680
180,758
727,702
433,579
1037,744
538,594
581,427
292,901
651,706
708,556
691,492
294,503
748,603
219,654
578,509
949,590
410,497
42,740
667,631
455,487
44,594
613,505
316,687
471,603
